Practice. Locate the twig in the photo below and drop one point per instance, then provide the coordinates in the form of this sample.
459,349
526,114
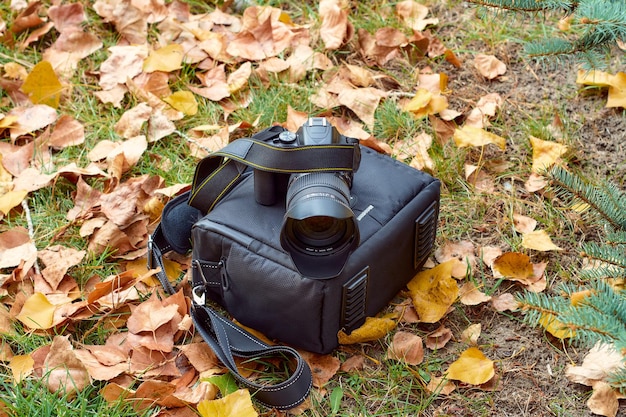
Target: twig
31,230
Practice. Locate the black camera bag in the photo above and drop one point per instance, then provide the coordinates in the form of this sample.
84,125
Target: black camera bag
238,262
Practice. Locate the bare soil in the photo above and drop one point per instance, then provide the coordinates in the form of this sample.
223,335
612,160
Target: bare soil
530,362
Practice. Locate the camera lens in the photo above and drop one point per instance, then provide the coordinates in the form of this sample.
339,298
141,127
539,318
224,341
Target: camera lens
319,222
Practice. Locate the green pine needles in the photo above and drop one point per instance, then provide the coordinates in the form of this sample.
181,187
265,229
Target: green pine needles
594,308
598,26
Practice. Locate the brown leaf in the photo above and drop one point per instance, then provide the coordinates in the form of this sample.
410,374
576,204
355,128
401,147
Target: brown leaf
63,369
406,347
524,224
98,370
353,363
413,15
438,338
489,66
150,315
15,247
463,252
471,296
336,29
58,259
31,119
505,302
323,367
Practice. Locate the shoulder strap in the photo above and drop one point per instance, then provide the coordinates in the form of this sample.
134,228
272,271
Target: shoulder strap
219,172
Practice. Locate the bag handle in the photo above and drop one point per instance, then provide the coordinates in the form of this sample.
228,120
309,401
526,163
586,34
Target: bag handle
228,340
219,172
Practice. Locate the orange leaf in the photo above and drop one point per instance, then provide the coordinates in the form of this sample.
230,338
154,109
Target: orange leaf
472,367
43,86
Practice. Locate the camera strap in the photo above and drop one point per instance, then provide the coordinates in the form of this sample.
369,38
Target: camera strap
219,172
229,341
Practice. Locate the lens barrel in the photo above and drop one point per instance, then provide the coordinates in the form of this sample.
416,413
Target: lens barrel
319,228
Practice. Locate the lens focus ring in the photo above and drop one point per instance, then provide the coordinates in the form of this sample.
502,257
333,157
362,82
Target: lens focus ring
318,179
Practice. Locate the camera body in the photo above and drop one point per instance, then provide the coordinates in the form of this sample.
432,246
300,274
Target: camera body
319,229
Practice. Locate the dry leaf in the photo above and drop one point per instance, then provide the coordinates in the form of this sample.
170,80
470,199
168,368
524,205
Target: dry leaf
514,266
237,404
473,136
601,361
37,312
439,385
472,367
413,15
555,327
535,182
462,252
406,347
63,369
489,66
21,366
605,400
374,328
425,103
335,30
183,101
524,224
545,154
504,302
43,86
323,367
166,59
471,334
434,291
439,338
471,296
615,83
538,240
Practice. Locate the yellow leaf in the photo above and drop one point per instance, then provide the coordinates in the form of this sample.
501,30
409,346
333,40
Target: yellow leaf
578,297
183,101
472,367
374,328
425,103
538,240
8,121
11,199
433,291
166,59
545,153
43,86
474,136
237,404
21,367
514,266
617,91
594,78
37,312
555,327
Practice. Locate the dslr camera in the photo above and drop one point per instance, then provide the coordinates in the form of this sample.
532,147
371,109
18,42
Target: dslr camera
318,221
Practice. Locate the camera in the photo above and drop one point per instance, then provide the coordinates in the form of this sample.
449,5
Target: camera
319,228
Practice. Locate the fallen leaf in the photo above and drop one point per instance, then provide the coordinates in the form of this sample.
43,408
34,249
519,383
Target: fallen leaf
323,367
538,240
43,86
413,15
434,291
462,252
353,363
335,29
374,328
599,363
471,334
605,399
472,367
58,260
469,295
524,224
505,302
63,369
439,385
555,327
37,312
545,154
425,103
472,136
438,338
11,199
616,85
166,59
406,347
21,366
183,101
237,404
489,66
535,183
515,266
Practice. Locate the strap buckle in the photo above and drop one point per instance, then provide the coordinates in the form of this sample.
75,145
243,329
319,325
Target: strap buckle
150,253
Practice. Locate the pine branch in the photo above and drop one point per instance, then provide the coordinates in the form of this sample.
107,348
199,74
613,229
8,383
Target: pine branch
527,5
612,255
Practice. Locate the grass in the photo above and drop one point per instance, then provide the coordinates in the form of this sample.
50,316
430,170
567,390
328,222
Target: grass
383,387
